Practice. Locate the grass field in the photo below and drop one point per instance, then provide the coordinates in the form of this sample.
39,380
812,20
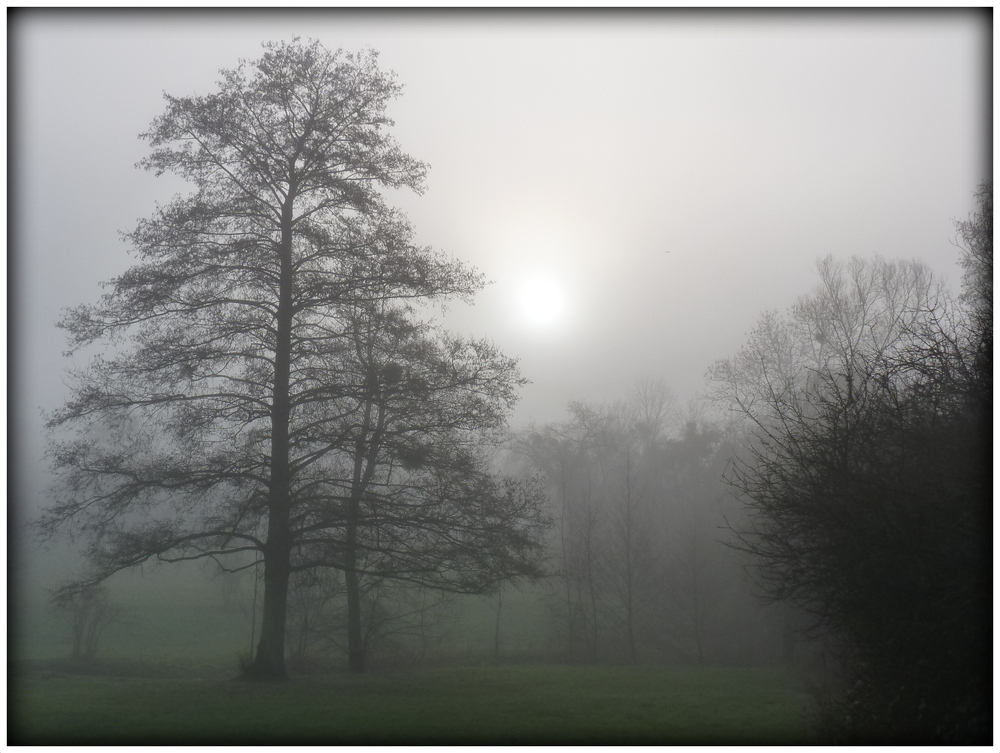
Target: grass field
485,705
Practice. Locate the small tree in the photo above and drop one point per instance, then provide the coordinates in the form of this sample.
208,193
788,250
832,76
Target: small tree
402,621
91,612
314,611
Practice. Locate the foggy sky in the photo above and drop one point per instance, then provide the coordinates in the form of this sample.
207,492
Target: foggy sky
678,173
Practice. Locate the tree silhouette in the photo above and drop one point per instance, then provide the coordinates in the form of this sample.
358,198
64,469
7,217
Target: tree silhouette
265,361
862,478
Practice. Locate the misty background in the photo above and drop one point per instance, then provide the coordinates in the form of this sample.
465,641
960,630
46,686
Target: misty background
669,175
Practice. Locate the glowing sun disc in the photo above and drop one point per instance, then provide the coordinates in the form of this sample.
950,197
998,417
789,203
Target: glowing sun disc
542,302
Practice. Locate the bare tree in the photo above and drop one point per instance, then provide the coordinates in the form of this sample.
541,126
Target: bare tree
498,597
629,549
314,611
253,357
557,452
91,611
415,485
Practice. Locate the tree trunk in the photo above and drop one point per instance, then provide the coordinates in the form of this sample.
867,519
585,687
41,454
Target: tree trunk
565,556
365,454
355,639
591,579
352,582
629,569
631,632
496,627
78,628
270,659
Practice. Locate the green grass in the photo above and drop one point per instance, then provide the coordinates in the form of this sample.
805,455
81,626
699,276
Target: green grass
485,705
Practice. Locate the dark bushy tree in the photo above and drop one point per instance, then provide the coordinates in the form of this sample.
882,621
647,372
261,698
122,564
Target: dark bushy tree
267,376
863,483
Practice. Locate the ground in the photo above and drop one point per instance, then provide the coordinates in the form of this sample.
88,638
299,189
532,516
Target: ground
484,705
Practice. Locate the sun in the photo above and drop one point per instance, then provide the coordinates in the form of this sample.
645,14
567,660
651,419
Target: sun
542,302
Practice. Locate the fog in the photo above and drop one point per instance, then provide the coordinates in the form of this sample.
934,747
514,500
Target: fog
638,188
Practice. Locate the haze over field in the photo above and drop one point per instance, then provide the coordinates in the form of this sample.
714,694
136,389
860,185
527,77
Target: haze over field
638,188
670,175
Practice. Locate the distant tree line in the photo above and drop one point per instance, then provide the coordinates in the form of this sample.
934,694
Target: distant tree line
641,573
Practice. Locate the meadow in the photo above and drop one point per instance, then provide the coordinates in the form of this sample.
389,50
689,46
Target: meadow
520,704
167,674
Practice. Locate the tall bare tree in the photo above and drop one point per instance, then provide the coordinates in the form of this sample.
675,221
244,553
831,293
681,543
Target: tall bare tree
243,401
